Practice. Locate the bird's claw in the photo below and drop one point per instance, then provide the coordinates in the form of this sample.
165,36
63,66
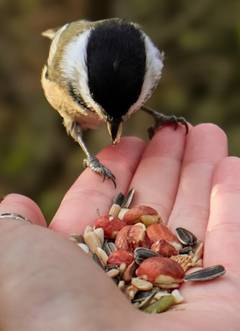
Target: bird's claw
167,120
95,165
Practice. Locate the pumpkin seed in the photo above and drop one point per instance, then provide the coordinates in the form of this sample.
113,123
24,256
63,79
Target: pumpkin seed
161,305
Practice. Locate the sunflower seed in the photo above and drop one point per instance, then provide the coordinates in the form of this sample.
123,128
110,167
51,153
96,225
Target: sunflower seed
186,237
101,254
206,274
97,260
129,272
141,254
185,250
109,247
84,247
78,238
113,273
129,198
114,210
131,291
110,267
119,199
198,252
143,298
199,263
122,212
142,295
100,234
116,206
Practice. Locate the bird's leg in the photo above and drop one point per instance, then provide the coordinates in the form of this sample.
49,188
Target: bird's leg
91,161
161,119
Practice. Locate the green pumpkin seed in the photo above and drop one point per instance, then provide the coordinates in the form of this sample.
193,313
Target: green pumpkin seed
161,305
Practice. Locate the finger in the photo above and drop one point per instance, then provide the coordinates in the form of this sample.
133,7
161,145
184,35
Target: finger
90,195
22,205
206,145
156,177
223,232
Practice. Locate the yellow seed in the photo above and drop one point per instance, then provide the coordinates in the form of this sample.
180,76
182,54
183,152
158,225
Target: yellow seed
114,210
141,284
92,240
150,219
102,255
185,261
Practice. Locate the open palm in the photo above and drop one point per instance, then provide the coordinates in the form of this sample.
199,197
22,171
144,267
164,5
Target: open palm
193,184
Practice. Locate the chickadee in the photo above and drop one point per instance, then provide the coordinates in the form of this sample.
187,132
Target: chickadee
101,72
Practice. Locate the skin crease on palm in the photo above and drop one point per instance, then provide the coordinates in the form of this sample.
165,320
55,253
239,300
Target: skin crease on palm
48,284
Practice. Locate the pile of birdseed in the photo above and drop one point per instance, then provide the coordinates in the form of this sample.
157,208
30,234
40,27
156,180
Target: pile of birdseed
146,260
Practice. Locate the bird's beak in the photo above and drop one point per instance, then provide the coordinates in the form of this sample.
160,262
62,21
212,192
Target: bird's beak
115,129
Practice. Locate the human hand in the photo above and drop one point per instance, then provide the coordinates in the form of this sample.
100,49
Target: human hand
65,279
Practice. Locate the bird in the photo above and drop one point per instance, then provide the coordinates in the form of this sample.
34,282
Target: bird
102,72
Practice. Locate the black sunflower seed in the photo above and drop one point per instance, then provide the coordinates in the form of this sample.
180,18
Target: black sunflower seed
141,254
119,199
186,237
128,199
206,274
109,247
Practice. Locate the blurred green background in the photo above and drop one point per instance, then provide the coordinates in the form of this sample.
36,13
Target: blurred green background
201,40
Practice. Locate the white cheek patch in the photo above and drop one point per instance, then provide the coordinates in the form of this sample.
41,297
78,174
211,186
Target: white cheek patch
154,66
54,44
74,69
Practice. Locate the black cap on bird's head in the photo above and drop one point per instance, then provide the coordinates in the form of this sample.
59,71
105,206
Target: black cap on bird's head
111,67
116,62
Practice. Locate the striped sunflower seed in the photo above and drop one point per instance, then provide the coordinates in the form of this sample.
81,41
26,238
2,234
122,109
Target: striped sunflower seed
129,198
186,250
78,238
101,254
206,274
109,247
141,254
186,237
143,298
84,247
97,260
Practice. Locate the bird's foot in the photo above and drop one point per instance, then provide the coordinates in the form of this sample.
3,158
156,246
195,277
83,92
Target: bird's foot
161,119
95,165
